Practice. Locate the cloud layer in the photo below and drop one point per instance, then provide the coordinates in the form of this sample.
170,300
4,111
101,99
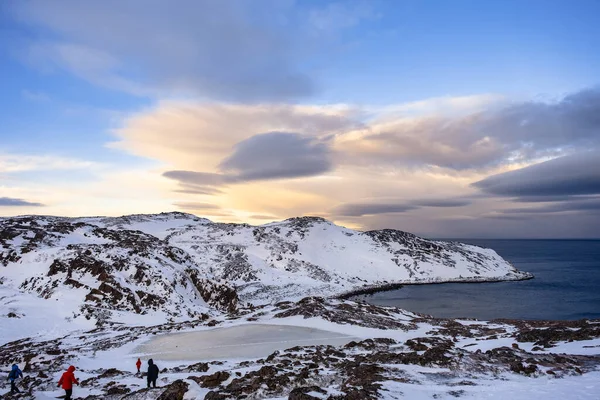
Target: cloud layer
276,155
501,134
398,206
228,50
11,202
577,174
490,137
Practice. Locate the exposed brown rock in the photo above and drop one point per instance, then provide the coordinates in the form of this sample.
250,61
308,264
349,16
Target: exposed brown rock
175,391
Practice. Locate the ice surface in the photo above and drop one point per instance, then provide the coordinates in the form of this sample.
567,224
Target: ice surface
243,342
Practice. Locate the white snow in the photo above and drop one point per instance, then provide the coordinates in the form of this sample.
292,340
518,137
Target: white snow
37,317
286,260
513,387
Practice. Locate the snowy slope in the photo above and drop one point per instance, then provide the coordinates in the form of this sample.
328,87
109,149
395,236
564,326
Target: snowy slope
311,256
87,272
176,266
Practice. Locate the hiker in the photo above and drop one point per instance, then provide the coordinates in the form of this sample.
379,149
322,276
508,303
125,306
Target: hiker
67,380
14,373
138,364
152,373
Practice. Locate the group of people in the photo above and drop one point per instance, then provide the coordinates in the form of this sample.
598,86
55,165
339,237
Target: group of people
67,380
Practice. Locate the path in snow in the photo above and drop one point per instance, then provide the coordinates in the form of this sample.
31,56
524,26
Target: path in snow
244,342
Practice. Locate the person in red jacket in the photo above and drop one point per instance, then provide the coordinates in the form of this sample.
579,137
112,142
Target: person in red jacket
138,364
67,380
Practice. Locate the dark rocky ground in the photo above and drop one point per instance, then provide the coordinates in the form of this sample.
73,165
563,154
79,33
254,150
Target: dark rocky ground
359,370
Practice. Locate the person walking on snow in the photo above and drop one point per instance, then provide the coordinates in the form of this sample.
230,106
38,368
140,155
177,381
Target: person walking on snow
152,373
138,364
67,380
14,373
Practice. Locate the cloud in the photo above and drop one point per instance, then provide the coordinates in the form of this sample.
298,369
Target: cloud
577,174
230,217
268,156
215,145
12,202
196,206
198,179
360,209
276,155
219,49
505,217
342,15
487,224
14,163
37,97
566,206
228,50
198,136
547,199
569,184
94,65
265,217
398,206
441,202
197,183
497,134
445,106
186,188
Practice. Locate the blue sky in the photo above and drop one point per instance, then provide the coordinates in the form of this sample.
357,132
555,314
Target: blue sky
421,49
130,106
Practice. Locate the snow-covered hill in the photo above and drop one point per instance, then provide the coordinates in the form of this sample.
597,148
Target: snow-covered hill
176,266
310,256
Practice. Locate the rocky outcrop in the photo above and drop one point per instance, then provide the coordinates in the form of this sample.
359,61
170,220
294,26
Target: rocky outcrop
175,391
548,336
361,314
219,295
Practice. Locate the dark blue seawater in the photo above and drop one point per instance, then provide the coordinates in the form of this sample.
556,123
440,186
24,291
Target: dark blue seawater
566,285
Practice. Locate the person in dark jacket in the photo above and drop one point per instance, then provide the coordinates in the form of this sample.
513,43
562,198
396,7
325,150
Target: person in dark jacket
67,380
14,373
152,373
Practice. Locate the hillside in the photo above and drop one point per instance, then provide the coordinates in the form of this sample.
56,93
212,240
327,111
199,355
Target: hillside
176,267
100,292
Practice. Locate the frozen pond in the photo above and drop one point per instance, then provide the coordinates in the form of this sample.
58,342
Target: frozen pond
244,342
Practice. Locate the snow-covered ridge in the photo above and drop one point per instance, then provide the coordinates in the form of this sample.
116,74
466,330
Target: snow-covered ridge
176,266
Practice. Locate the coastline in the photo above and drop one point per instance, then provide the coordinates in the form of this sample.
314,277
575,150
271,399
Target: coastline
372,289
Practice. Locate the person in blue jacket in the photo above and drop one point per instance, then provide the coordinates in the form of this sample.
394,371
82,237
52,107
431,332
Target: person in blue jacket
14,373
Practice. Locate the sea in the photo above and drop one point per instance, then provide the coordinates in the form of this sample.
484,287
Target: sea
566,285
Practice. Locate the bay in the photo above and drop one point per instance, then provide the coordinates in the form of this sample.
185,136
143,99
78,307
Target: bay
566,285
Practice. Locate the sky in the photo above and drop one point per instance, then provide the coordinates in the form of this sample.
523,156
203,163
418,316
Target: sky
454,119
